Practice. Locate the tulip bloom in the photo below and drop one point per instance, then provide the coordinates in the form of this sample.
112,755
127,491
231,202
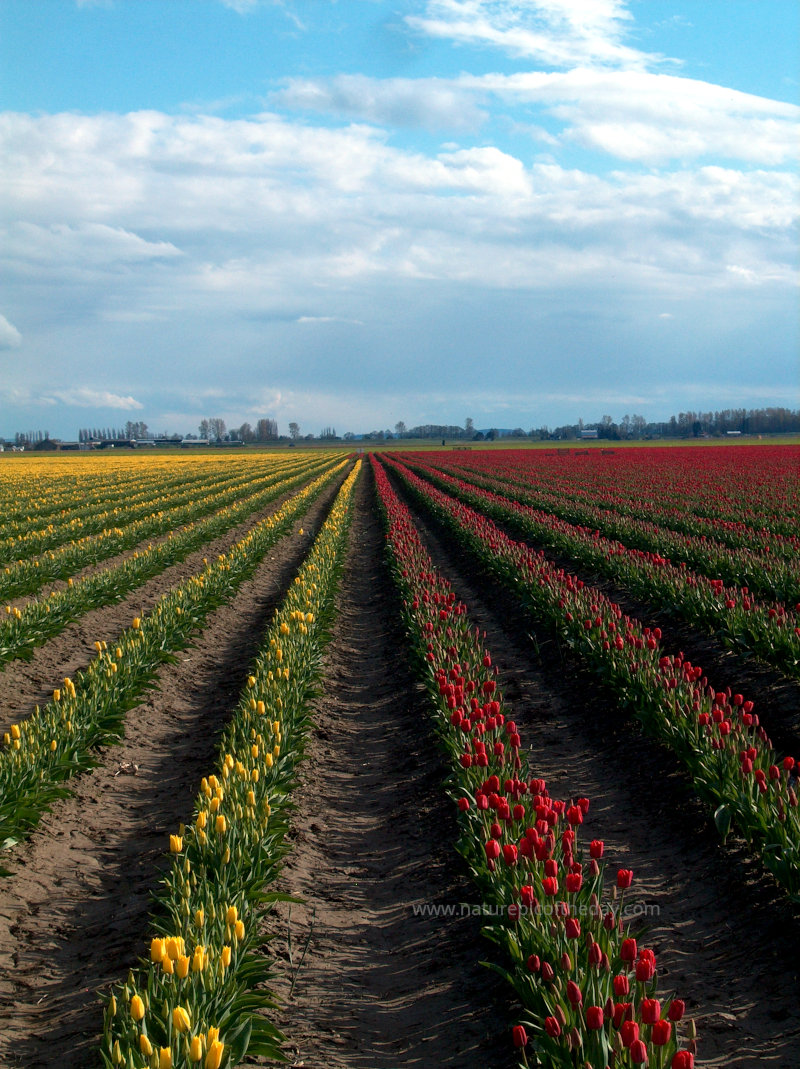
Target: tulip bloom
165,1058
181,1021
662,1030
651,1010
137,1008
492,850
596,848
638,1052
628,950
574,993
552,1027
594,1017
676,1010
214,1055
519,1035
624,878
682,1059
629,1032
550,885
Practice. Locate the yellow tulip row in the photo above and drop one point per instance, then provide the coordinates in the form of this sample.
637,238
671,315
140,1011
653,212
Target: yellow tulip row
194,1001
41,618
99,529
88,711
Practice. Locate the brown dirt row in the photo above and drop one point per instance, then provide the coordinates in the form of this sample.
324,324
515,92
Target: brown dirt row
25,684
373,840
74,916
726,938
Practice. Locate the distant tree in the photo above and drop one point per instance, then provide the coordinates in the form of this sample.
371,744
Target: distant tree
266,430
216,429
204,430
294,431
469,427
400,429
246,433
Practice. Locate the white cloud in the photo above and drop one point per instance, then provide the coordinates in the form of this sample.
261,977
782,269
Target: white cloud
560,33
85,397
654,118
10,337
432,103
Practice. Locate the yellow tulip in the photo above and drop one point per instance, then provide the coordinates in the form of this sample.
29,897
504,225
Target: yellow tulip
145,1046
214,1055
196,1049
175,844
225,956
165,1058
182,966
181,1021
232,915
137,623
202,818
238,930
56,695
157,950
53,744
221,824
15,731
199,918
199,959
137,1008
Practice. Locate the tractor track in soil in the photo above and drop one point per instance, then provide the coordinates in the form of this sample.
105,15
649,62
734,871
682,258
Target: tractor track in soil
726,938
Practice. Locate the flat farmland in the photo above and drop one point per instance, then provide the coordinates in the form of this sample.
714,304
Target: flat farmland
450,757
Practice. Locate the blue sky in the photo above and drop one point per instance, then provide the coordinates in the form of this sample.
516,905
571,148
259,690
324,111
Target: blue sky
357,212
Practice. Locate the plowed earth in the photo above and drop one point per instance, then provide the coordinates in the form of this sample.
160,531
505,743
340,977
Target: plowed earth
368,980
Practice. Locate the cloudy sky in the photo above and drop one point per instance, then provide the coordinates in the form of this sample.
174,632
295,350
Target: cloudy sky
354,212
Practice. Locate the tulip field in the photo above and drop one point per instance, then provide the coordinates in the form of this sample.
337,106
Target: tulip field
467,757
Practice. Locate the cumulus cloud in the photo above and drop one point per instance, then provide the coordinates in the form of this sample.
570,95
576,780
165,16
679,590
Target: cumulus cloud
10,337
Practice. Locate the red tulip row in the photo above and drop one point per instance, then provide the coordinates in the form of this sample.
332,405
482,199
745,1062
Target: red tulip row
769,630
715,733
765,562
588,989
744,491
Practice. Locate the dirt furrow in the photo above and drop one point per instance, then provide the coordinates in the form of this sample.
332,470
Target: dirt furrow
74,916
727,940
376,986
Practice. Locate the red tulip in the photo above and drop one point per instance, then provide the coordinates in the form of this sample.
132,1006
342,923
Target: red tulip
662,1030
628,950
552,1027
510,854
574,993
651,1010
550,885
629,1032
572,928
682,1059
645,970
596,848
624,878
463,804
676,1010
621,985
594,1017
519,1035
492,849
638,1052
